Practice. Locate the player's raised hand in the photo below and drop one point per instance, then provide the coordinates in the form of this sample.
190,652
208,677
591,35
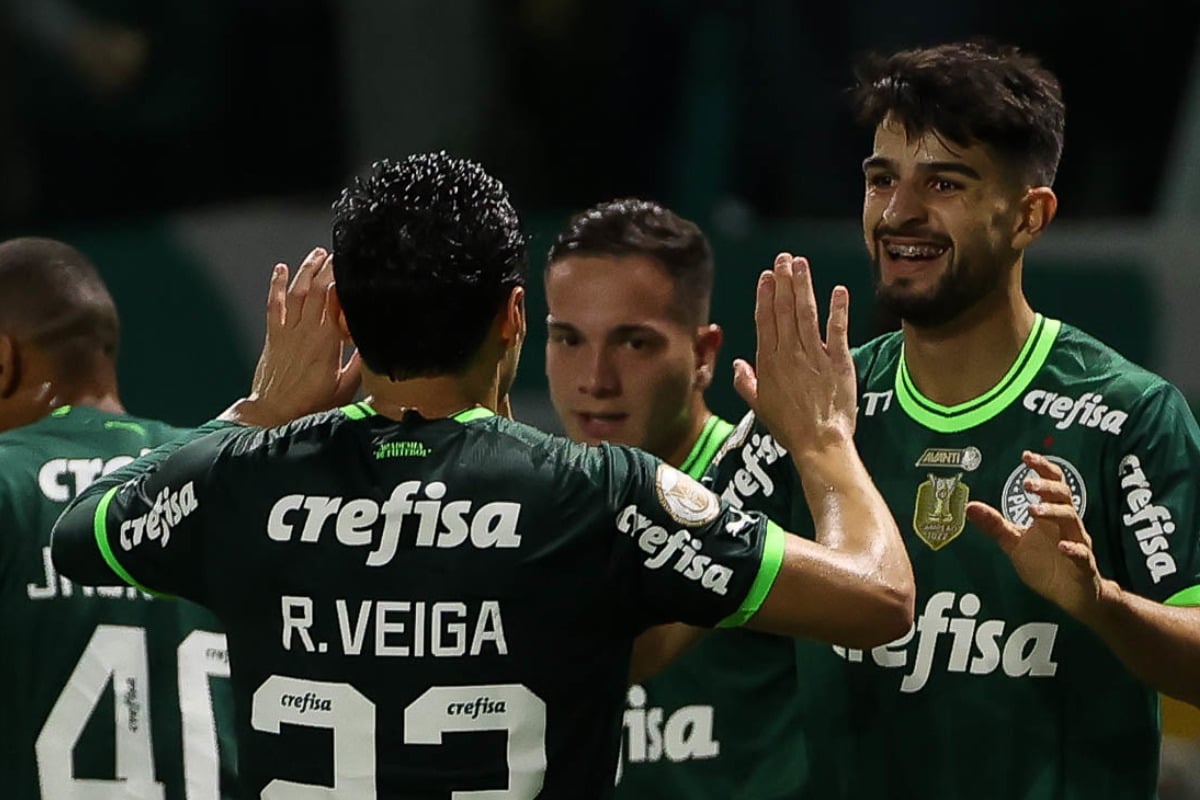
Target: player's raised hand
801,387
302,368
1053,554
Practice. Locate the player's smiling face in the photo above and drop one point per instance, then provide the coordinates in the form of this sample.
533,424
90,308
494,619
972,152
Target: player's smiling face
620,359
938,219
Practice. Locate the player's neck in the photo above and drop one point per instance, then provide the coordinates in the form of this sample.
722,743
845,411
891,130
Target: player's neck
698,418
47,385
432,398
104,401
962,360
98,391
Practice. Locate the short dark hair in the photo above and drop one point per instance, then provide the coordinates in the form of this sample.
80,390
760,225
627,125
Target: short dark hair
52,294
976,91
640,227
425,253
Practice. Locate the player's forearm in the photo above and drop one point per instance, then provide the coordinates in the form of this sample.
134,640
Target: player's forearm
851,517
1159,644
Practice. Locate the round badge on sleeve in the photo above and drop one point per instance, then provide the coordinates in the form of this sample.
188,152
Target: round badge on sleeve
684,498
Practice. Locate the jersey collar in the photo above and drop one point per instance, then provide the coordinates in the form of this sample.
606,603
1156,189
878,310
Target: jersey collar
712,436
363,409
952,419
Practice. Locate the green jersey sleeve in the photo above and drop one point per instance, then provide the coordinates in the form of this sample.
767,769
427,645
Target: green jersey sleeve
684,555
753,472
144,524
1156,501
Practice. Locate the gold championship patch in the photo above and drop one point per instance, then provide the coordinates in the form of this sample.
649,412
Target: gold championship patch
941,509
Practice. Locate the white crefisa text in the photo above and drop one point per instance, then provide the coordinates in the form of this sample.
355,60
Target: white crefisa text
680,550
415,511
1149,522
975,647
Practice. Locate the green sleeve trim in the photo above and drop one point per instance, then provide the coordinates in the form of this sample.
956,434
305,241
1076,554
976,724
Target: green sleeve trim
953,419
100,526
61,411
768,571
472,414
1186,597
712,436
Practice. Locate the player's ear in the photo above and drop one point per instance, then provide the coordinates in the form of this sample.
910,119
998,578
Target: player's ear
335,309
513,324
8,365
707,346
1038,207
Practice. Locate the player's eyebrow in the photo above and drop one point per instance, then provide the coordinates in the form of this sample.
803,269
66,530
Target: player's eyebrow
877,162
954,167
632,328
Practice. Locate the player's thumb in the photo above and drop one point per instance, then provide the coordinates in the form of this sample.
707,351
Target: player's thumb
993,523
745,381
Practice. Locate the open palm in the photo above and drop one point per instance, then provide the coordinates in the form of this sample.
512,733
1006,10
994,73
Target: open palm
1053,554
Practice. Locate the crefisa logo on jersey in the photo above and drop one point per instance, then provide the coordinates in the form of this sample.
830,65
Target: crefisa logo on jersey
757,452
60,479
940,511
420,514
976,646
1088,410
1016,501
654,734
1148,521
680,550
170,508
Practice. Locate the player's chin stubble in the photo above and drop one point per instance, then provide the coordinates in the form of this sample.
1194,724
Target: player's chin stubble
958,288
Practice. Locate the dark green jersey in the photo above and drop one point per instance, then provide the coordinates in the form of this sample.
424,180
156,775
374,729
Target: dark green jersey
995,693
421,607
715,723
107,691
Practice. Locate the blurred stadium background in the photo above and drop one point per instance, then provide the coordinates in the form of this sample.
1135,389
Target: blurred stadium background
188,145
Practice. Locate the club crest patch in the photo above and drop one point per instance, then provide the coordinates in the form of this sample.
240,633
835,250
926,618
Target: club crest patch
684,498
941,509
1016,501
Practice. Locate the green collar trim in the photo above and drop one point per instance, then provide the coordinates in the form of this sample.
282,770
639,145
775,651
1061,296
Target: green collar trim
472,414
363,410
359,410
712,436
952,419
61,411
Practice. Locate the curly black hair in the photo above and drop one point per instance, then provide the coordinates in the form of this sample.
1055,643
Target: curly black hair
968,92
425,253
